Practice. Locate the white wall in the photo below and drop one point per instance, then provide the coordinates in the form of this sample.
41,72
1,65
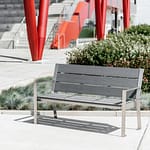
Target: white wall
143,12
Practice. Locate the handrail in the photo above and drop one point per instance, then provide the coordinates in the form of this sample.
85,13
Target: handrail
6,43
11,42
58,38
22,22
69,10
16,33
55,26
62,17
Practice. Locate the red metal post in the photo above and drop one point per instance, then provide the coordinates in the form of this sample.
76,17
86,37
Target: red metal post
98,16
104,10
30,14
126,13
42,26
100,11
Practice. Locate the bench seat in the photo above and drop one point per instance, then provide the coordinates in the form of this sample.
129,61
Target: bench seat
84,99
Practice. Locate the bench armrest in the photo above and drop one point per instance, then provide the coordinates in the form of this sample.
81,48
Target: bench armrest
132,89
125,92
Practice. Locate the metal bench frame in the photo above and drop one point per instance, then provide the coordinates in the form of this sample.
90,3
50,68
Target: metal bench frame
115,88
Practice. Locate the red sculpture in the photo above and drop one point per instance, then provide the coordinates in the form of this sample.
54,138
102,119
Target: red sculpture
126,12
37,33
100,11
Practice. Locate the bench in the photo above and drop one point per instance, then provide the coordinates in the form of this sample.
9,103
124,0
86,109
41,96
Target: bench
106,87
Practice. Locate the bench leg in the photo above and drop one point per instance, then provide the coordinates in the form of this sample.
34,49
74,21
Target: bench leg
35,102
123,124
54,110
138,114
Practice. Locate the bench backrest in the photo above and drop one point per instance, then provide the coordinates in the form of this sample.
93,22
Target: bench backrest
98,80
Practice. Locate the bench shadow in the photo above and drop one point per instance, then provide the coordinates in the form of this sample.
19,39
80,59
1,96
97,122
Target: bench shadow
74,124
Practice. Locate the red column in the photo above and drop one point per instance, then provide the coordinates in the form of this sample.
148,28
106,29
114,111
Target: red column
100,11
104,10
42,26
126,13
30,14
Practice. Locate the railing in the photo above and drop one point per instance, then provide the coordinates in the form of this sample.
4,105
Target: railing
6,44
54,29
69,10
11,44
16,36
65,14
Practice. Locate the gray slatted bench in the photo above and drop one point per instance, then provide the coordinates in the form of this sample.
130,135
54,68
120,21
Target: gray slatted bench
107,87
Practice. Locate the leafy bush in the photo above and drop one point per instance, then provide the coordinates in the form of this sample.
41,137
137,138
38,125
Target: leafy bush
86,33
123,50
143,29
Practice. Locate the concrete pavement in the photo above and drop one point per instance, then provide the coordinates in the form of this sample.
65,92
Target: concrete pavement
17,69
18,134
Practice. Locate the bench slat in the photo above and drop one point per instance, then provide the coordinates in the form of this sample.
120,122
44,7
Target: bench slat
84,99
97,80
87,89
62,95
110,100
99,70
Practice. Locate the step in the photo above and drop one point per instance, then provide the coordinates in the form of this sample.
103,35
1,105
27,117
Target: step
10,20
5,27
18,46
55,9
1,34
23,42
12,13
4,44
14,6
13,1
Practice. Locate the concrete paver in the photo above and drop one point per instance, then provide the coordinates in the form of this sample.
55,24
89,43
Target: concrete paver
15,72
145,143
18,135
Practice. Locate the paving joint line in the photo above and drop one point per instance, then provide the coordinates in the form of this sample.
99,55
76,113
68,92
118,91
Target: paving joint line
142,138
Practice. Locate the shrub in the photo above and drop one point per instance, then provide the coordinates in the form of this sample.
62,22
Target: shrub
123,50
86,33
22,97
143,29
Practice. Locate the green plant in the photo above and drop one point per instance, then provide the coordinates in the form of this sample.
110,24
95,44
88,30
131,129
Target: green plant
22,97
87,32
122,50
143,29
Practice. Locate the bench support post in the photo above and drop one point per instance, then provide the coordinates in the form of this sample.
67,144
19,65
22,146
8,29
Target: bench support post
35,102
138,114
54,110
123,125
138,109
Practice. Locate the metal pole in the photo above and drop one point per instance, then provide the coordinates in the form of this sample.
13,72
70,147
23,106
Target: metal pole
30,14
98,20
35,102
126,13
104,10
123,126
100,11
42,26
116,20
